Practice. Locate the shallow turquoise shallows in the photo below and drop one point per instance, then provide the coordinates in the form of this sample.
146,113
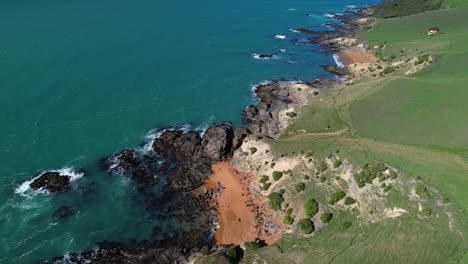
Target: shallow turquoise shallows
82,79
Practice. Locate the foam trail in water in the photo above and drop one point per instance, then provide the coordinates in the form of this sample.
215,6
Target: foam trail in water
280,36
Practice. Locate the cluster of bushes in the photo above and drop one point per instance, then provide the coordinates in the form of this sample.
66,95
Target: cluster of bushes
291,114
326,217
388,70
311,208
275,200
336,196
369,173
306,225
288,219
277,175
422,192
300,187
422,59
264,180
349,201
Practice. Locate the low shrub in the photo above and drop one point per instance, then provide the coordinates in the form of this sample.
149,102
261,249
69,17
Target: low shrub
326,217
387,188
300,187
288,219
393,175
337,163
275,200
277,175
368,173
322,166
388,70
264,179
336,196
346,225
306,225
311,207
349,201
425,212
291,114
266,186
422,192
323,179
253,150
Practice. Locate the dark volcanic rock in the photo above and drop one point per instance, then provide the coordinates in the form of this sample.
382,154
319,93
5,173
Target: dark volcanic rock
122,162
323,83
217,142
52,181
239,134
265,56
305,31
263,118
336,70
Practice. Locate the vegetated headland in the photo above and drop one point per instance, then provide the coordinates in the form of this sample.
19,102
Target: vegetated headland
347,170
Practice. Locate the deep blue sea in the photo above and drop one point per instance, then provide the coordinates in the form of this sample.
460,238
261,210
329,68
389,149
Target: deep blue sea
82,79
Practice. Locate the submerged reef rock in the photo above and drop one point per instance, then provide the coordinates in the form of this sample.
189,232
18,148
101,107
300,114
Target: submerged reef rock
51,181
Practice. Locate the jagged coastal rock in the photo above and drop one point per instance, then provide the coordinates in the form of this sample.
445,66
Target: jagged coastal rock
336,70
51,181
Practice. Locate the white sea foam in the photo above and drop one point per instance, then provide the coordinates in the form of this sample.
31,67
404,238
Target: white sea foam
351,6
282,50
329,15
147,148
280,36
292,9
336,58
257,57
294,30
25,188
292,62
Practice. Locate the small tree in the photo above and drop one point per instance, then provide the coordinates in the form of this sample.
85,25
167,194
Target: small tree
253,150
277,175
275,200
300,187
336,196
326,217
288,220
337,163
349,201
311,207
306,225
322,166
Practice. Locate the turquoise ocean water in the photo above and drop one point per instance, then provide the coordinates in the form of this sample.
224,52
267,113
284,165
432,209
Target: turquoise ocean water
82,79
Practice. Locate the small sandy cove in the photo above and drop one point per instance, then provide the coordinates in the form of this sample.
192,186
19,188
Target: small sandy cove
349,57
241,217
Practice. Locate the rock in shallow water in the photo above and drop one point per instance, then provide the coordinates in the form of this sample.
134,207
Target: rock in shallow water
52,181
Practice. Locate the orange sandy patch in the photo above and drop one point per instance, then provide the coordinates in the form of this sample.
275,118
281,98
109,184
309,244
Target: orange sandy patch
352,57
241,217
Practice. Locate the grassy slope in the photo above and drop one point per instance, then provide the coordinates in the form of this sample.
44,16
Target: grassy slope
359,128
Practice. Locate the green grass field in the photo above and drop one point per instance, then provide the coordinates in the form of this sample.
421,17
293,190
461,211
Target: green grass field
415,123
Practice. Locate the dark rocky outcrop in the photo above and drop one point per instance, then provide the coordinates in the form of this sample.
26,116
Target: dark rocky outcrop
263,118
336,70
305,31
51,181
265,56
323,83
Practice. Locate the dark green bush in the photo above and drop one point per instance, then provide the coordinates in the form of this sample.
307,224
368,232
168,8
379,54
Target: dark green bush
306,225
323,179
253,150
264,179
336,196
300,187
387,188
288,220
398,8
388,70
277,175
422,192
275,200
393,175
266,186
291,114
349,201
326,217
311,207
337,163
